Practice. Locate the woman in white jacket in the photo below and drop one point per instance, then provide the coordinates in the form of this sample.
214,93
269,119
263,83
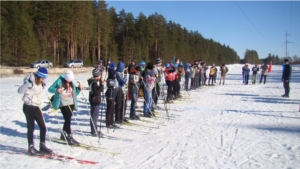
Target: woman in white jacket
32,90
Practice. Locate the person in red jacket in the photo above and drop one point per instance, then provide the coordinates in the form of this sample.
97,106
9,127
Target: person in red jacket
170,77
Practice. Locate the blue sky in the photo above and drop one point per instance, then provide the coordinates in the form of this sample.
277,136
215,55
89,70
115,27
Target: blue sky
242,25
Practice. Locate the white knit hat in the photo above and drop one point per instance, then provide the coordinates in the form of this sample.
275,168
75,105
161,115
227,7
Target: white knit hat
69,76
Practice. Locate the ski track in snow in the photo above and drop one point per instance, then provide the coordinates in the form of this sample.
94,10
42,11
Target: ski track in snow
222,126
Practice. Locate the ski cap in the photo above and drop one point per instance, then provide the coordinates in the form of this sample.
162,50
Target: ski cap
69,76
42,73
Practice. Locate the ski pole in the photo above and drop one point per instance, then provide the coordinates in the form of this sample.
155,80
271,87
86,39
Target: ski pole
92,121
59,125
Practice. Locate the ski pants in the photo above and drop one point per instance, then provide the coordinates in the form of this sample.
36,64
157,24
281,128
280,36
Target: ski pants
148,102
186,83
223,77
286,86
119,106
94,117
170,90
265,78
134,97
254,77
110,109
156,93
33,113
246,78
211,77
67,112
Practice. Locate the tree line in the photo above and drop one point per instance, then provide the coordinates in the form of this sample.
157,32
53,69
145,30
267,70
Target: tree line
251,56
89,30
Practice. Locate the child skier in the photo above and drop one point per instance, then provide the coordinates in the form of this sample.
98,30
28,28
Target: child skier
65,93
96,88
32,90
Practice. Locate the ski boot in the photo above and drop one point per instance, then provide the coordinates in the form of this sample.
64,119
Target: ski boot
44,149
32,151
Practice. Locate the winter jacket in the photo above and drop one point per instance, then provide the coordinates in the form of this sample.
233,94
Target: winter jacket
246,70
53,89
122,80
32,92
223,70
212,71
255,70
96,88
134,87
170,73
264,69
287,72
193,72
150,82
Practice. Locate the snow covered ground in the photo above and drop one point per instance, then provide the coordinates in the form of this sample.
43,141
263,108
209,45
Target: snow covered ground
227,126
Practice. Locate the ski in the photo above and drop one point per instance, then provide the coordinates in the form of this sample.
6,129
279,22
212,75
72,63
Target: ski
59,157
84,146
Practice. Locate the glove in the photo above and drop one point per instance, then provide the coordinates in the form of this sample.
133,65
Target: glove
29,80
125,71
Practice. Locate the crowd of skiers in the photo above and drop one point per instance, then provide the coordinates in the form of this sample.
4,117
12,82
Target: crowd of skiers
123,83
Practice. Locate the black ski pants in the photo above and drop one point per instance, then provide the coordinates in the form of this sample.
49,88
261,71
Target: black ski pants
110,109
67,112
119,106
286,86
33,113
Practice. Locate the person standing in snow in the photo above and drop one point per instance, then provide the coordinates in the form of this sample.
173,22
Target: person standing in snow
96,88
246,71
120,107
212,72
193,74
134,83
65,93
169,72
149,85
243,73
255,69
264,71
286,77
224,71
111,93
156,89
187,70
32,89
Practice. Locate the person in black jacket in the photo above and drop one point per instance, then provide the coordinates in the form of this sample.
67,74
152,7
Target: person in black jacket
96,87
286,76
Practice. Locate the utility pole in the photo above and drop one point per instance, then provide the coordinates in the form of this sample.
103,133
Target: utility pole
286,42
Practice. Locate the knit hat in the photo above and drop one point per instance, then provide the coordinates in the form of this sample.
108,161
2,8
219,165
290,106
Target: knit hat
158,60
96,72
213,64
69,76
286,60
100,61
42,73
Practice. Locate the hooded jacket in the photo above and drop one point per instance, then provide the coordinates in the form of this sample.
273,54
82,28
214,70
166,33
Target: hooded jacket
53,89
121,79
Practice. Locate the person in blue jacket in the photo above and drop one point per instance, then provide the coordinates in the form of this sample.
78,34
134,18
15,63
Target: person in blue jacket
246,72
286,77
65,92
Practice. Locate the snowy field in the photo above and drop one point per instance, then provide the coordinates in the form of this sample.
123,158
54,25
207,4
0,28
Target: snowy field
227,126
